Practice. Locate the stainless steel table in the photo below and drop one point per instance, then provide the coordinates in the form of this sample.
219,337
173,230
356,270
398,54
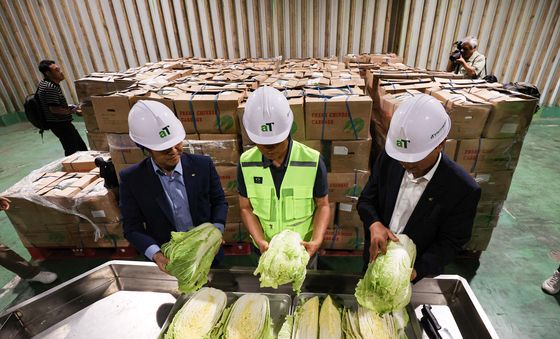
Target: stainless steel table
128,297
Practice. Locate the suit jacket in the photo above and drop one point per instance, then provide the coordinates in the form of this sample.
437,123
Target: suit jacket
147,214
440,225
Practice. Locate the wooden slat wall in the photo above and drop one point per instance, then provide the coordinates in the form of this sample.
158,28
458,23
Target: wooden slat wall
520,37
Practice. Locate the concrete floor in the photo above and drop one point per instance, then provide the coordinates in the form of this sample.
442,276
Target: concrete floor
525,248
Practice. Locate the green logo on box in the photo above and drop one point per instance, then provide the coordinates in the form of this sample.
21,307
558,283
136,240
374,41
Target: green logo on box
226,122
358,125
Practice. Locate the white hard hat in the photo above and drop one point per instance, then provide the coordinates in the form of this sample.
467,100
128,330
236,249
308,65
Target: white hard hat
154,126
417,127
268,117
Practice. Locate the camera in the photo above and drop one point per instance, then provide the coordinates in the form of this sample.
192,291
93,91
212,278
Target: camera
457,52
107,172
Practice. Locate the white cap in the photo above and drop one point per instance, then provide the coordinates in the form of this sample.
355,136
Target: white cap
268,117
418,126
154,126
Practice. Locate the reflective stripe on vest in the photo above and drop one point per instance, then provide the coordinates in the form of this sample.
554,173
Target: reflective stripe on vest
296,206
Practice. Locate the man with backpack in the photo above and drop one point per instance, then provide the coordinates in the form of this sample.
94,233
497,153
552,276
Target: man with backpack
56,112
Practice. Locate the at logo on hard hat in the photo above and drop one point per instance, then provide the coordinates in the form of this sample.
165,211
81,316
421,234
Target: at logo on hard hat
403,143
267,127
164,132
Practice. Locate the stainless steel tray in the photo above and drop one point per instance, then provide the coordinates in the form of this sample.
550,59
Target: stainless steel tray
412,330
454,292
41,312
280,306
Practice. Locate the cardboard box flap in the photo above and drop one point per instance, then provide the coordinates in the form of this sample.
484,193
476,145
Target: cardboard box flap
333,92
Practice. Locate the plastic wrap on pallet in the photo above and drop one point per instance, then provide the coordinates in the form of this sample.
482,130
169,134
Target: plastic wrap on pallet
49,189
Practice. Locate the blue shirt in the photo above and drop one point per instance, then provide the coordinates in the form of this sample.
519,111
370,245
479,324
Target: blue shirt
176,193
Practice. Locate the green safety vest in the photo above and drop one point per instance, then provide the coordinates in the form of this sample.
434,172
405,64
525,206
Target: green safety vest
296,206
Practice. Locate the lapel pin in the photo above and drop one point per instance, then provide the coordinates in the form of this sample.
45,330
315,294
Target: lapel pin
193,174
430,199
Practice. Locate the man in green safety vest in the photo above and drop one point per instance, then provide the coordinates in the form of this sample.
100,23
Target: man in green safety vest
282,184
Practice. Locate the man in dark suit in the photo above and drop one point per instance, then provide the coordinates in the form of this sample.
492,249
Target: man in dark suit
415,189
169,191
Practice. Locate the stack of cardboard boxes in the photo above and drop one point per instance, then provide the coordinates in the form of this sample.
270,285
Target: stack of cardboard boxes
488,127
337,108
63,208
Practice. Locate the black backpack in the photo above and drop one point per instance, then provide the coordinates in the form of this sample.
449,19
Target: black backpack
34,113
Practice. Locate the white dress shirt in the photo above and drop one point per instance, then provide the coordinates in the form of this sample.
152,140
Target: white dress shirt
409,193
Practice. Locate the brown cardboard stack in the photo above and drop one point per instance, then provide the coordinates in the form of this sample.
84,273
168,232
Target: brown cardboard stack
47,210
488,127
347,232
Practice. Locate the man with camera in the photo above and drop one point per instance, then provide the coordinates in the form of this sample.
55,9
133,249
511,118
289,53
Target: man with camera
467,60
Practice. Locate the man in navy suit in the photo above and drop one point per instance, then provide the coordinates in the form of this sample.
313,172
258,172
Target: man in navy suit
415,189
169,191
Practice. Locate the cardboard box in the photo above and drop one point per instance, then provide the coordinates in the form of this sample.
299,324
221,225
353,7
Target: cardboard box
373,77
111,111
63,190
236,232
450,148
479,239
337,117
486,207
56,236
209,112
347,156
98,204
29,216
98,141
89,117
234,214
79,235
222,148
389,104
482,221
494,185
468,113
347,215
112,236
123,150
346,187
498,154
228,179
82,162
153,96
97,84
391,86
344,238
467,153
511,114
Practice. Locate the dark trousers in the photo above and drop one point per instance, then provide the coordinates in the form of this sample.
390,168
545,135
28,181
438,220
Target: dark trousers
69,137
13,262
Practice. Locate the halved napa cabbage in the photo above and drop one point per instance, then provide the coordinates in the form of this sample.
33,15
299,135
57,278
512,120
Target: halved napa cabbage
249,318
197,317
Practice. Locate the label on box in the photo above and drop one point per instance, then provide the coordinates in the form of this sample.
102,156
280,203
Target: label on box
98,214
509,128
482,178
340,150
345,207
